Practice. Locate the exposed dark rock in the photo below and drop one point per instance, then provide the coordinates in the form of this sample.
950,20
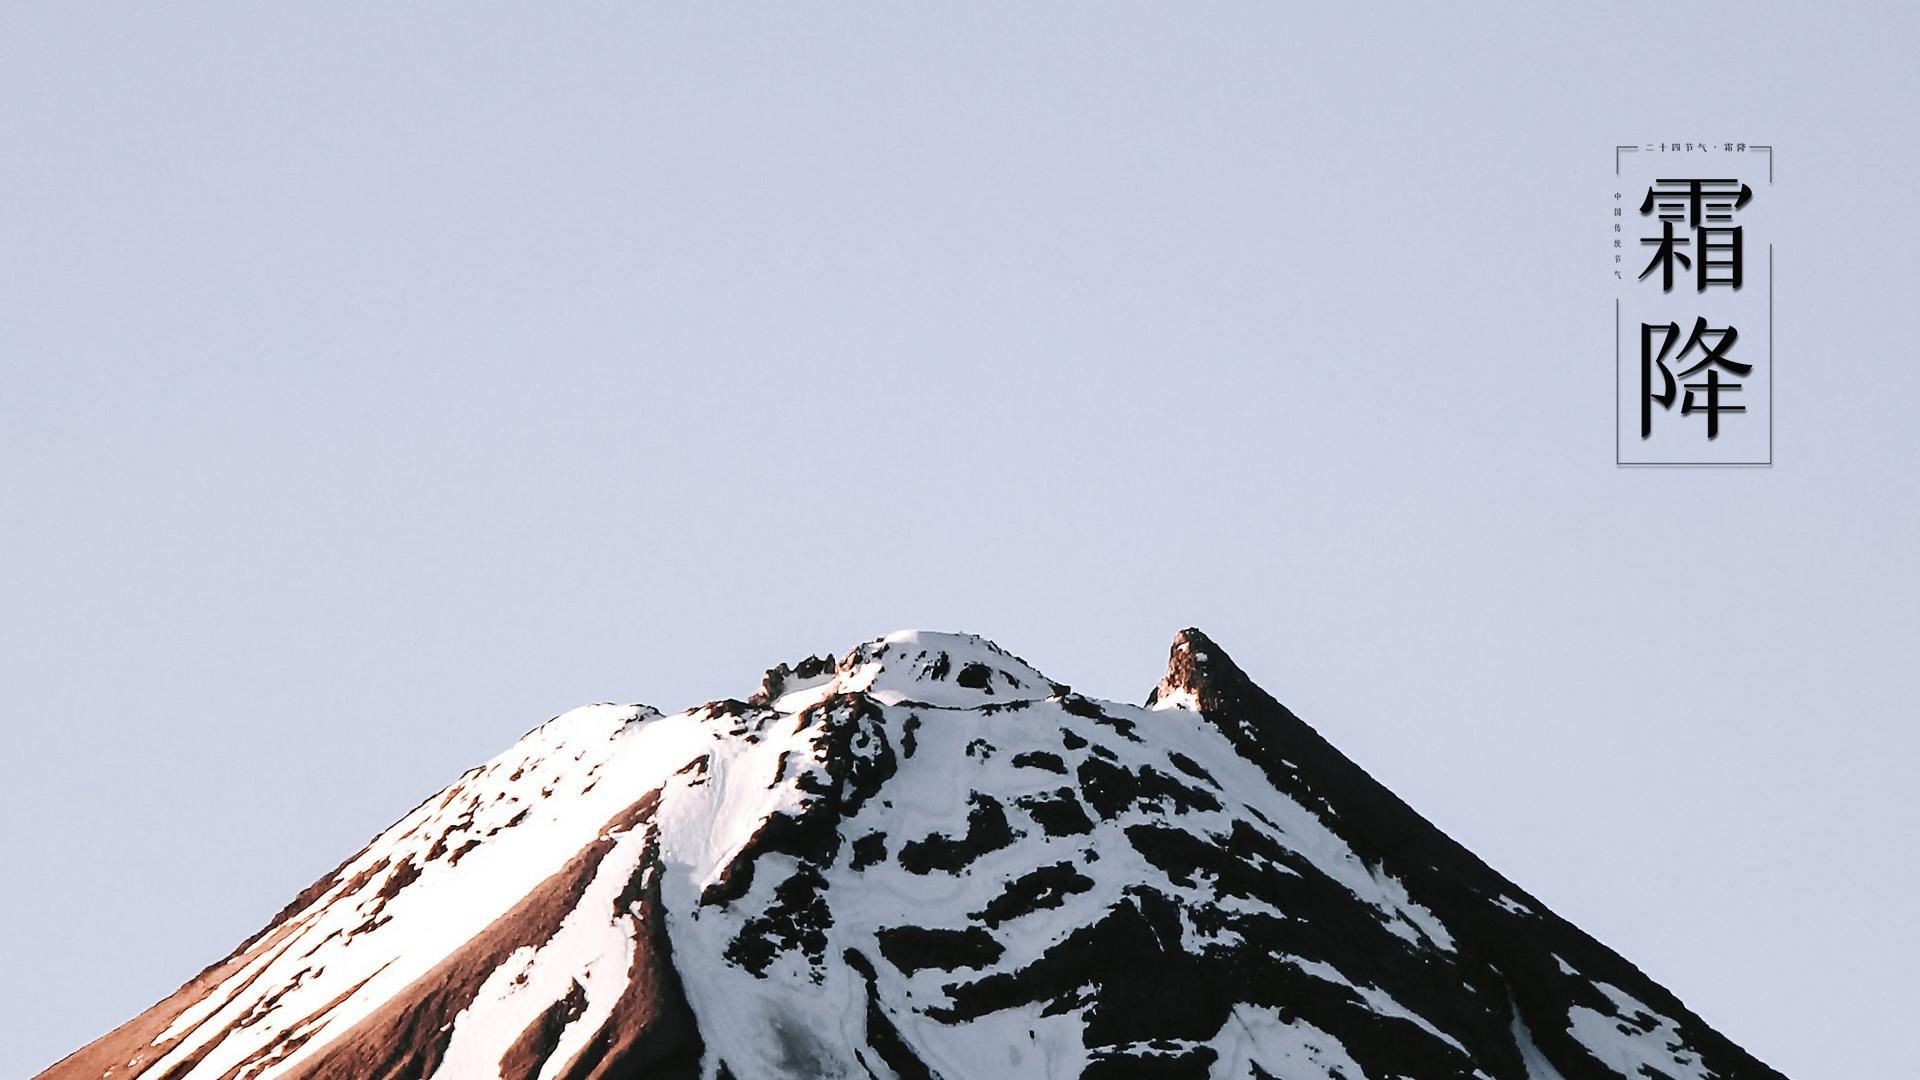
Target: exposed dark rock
1047,887
1057,813
911,948
1080,706
777,679
529,1053
1192,768
869,850
987,831
882,1035
797,919
853,747
1112,789
1040,759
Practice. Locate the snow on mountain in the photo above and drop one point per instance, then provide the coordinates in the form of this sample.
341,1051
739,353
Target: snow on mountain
925,859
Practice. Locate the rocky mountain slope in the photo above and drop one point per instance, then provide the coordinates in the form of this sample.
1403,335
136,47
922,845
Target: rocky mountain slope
925,859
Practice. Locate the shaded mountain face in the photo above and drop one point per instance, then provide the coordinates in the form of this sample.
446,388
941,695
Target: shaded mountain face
924,859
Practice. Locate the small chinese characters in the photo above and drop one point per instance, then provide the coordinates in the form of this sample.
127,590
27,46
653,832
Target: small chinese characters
1695,147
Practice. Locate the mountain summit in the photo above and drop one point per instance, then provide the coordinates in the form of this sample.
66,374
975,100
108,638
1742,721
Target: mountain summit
923,859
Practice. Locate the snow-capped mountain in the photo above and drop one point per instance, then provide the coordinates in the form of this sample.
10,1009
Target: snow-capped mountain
925,859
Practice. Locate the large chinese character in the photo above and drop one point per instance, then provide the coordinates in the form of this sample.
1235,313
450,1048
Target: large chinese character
1712,345
1706,206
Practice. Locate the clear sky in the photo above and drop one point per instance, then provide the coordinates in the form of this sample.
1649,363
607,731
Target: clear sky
375,383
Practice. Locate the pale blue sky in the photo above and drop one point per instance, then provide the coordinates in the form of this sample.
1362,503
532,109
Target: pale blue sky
374,384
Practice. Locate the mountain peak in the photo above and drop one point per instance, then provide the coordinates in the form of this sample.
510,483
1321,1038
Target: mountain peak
1200,675
922,859
935,668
